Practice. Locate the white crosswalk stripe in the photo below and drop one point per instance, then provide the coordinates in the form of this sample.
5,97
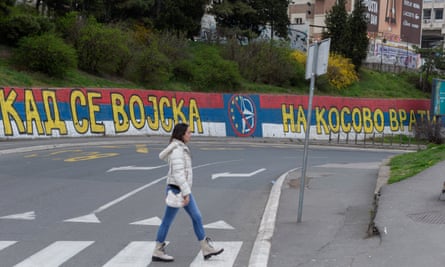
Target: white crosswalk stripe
5,244
137,253
55,254
227,258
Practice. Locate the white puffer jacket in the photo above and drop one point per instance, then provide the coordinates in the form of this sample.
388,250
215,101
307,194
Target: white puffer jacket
179,159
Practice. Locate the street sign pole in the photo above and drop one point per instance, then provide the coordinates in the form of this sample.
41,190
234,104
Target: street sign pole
316,64
308,130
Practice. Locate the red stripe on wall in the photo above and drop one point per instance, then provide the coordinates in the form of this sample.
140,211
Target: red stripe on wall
204,100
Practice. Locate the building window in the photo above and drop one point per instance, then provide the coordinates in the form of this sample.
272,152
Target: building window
438,13
390,14
427,13
298,20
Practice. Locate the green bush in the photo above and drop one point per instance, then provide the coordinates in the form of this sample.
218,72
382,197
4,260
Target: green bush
102,49
149,66
15,27
263,62
208,71
45,53
173,46
69,26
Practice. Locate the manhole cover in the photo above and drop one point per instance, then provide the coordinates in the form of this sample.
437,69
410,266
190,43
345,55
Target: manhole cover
431,217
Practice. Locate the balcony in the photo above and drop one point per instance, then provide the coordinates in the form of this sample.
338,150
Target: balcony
428,24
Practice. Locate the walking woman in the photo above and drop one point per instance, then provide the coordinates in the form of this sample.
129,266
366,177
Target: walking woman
179,180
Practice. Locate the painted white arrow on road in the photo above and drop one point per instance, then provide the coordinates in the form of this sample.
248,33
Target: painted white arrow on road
219,225
31,215
89,218
151,221
134,168
228,174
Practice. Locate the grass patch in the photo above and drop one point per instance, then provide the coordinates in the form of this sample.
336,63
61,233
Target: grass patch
374,84
407,165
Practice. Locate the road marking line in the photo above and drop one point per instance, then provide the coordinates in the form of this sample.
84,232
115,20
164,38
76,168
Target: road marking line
227,258
89,218
228,174
219,225
130,168
5,244
135,254
55,254
129,194
30,215
91,156
140,148
150,221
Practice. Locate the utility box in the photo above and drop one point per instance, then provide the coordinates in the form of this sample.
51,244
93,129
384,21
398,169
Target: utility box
438,98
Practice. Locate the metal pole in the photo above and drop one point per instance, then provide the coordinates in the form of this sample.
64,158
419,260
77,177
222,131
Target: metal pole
308,130
381,56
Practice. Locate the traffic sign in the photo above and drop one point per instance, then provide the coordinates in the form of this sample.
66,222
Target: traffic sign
320,59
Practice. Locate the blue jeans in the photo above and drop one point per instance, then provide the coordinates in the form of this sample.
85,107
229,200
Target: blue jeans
170,214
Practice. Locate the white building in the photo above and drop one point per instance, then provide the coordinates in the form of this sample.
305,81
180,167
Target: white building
433,27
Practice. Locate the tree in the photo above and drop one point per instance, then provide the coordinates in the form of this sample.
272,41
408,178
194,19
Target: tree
58,7
180,16
5,6
434,60
123,10
337,28
236,17
245,17
274,13
359,41
348,33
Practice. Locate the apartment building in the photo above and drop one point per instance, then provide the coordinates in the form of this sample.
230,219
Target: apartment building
433,27
394,26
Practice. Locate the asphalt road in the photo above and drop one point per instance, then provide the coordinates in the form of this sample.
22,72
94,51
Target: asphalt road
99,201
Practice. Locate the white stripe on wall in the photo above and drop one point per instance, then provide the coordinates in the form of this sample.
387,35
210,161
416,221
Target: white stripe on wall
216,129
277,131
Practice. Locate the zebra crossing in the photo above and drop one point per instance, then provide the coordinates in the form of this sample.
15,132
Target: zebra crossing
134,254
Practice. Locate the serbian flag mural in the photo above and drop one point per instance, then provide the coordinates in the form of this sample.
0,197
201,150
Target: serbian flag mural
74,112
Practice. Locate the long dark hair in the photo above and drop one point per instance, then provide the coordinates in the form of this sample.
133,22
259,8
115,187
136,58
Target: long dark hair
179,131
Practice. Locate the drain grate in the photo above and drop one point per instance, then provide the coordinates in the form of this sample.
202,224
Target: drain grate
431,217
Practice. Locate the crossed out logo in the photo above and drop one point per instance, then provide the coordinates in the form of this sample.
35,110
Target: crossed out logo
242,115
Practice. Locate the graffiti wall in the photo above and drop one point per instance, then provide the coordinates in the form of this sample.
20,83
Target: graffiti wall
35,113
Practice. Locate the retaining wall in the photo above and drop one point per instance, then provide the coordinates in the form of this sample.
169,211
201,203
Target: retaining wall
75,112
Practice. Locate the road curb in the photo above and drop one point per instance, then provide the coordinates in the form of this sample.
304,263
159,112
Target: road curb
382,179
259,256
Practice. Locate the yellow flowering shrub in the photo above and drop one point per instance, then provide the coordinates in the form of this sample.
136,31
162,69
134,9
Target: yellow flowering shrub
341,72
142,35
299,56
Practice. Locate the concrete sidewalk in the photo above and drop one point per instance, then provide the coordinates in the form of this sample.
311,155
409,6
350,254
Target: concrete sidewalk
336,220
